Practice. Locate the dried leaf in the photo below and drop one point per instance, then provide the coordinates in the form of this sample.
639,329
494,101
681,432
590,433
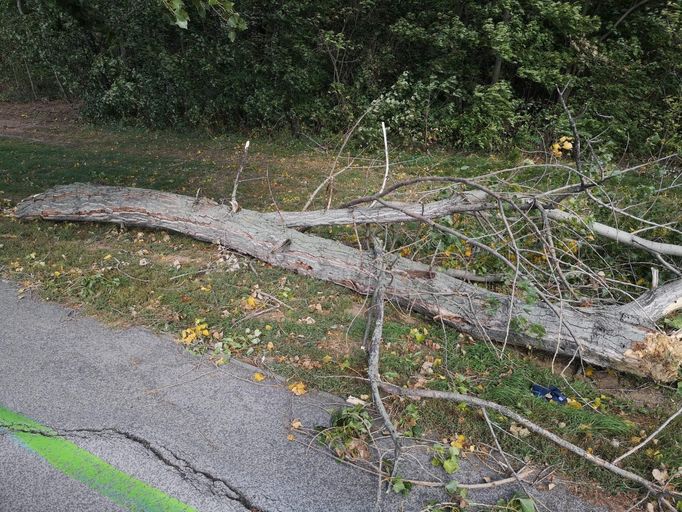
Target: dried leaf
660,476
297,388
352,400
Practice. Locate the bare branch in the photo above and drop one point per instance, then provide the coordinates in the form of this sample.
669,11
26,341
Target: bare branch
618,235
478,402
242,163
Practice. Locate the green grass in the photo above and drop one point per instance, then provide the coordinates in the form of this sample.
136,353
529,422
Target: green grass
97,267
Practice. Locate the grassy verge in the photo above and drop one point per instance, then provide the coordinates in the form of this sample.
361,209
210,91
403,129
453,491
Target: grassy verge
310,330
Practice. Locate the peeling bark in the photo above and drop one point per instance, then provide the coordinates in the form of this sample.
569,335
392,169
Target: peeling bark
624,338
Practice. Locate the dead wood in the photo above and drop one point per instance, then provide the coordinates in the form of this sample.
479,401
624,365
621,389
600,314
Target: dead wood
622,337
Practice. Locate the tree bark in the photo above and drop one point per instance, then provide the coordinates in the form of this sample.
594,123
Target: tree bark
465,202
624,337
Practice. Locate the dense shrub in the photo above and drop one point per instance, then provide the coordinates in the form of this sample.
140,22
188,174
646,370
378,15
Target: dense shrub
467,73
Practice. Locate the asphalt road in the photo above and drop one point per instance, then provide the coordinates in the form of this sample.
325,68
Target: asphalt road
126,420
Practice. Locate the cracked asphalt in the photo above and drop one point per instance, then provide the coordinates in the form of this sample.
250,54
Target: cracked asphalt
211,438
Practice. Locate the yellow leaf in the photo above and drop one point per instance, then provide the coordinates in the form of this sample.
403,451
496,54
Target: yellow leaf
589,372
567,145
297,388
258,377
459,442
327,359
270,345
251,302
107,257
296,424
574,404
291,437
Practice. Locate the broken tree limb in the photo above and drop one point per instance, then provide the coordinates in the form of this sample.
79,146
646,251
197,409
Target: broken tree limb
242,163
505,411
465,202
619,235
376,315
621,337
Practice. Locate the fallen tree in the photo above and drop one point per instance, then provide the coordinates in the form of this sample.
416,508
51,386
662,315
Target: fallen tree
623,337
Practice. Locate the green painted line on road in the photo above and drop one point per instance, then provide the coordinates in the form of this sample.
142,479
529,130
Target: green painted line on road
79,464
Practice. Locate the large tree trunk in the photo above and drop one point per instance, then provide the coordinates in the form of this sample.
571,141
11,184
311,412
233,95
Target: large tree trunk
624,338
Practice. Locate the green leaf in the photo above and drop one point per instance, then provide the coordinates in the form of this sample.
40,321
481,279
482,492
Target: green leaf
450,465
452,486
401,487
675,322
398,485
527,505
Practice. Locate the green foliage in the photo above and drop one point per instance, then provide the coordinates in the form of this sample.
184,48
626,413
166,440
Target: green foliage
446,457
92,285
492,115
674,321
471,74
400,486
224,9
518,504
348,433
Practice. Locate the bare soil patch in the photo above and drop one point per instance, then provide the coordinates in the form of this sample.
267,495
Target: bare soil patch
40,121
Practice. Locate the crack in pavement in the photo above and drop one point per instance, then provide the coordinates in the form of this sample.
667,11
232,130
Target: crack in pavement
199,479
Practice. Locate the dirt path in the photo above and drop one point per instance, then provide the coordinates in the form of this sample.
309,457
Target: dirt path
47,121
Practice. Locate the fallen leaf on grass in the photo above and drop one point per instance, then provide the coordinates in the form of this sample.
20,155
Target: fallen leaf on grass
251,302
660,476
519,431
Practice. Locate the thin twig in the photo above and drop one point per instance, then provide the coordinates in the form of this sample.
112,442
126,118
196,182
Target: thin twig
242,163
649,438
383,183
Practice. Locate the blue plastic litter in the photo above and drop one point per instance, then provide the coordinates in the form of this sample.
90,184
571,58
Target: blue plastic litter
550,393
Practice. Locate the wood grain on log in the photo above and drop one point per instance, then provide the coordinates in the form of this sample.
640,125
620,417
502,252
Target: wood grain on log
624,338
